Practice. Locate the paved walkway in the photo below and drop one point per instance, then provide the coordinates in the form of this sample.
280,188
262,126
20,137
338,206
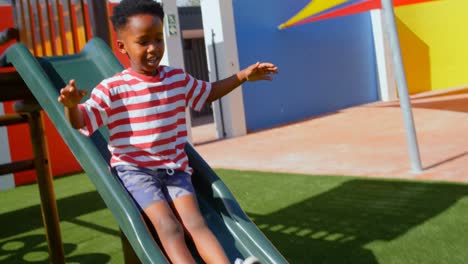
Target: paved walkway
367,140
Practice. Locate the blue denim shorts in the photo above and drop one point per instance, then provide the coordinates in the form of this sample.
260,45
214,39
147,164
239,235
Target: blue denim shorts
149,186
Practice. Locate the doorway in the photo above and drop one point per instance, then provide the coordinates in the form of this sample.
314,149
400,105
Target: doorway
195,60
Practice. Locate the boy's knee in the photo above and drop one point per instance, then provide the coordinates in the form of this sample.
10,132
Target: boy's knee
195,224
169,226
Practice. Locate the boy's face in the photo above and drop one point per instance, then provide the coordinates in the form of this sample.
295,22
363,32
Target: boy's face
142,39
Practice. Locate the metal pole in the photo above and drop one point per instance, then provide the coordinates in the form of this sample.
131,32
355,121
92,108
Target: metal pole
220,101
405,104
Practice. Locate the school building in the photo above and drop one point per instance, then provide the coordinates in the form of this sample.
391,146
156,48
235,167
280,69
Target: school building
324,66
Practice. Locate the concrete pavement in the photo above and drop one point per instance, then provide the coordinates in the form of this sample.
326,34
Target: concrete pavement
367,140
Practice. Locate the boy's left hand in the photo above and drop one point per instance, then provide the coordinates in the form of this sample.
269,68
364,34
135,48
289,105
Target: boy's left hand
260,71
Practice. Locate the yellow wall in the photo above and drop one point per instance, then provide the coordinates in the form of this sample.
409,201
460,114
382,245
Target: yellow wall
434,43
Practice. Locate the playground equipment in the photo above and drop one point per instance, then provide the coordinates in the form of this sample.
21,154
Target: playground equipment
47,28
45,76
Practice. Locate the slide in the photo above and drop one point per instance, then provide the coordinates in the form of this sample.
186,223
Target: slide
45,76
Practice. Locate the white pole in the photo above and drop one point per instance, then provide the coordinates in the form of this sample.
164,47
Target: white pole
174,55
383,56
218,18
405,104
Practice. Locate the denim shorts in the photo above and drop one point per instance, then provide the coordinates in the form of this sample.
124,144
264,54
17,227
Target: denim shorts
149,186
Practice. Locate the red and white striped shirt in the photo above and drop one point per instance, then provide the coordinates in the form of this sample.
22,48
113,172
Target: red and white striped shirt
145,116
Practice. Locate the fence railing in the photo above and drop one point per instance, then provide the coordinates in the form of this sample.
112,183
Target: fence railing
58,27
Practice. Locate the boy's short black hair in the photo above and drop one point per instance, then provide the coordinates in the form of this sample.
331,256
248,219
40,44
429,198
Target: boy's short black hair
128,8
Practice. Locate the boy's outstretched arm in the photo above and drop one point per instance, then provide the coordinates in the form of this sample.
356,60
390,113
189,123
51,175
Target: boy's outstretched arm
70,97
255,72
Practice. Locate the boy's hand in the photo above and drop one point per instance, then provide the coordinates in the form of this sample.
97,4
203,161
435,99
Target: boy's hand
70,96
260,71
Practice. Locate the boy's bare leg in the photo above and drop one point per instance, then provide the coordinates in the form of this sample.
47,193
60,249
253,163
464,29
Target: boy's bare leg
207,245
170,232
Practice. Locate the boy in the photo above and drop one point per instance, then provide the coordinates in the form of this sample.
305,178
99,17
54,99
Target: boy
144,109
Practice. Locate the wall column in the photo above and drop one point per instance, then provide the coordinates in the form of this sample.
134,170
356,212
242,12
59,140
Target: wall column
223,61
174,55
383,58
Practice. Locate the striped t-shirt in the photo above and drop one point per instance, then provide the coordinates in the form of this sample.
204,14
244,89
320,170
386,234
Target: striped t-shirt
145,116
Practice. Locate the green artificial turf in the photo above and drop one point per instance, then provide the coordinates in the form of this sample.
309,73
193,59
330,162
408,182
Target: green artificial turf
310,219
89,232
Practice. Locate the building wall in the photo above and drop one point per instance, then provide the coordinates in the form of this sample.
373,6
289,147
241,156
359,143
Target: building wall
433,38
324,66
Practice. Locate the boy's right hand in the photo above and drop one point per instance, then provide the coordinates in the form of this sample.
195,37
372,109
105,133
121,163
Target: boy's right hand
70,96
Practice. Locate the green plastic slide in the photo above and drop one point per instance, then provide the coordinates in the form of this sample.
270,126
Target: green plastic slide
45,76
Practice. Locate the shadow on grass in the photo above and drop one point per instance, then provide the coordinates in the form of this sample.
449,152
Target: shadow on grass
33,248
27,219
334,226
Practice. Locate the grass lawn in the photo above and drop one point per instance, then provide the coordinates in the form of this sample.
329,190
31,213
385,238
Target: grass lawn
310,219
